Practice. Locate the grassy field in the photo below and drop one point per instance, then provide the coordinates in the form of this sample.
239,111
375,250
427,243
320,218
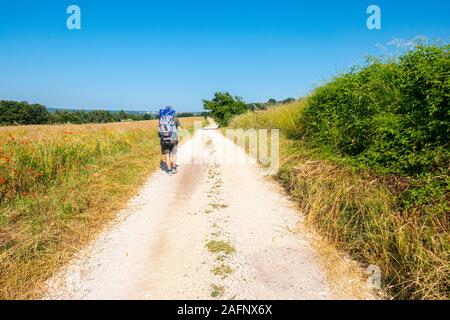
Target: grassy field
59,185
366,157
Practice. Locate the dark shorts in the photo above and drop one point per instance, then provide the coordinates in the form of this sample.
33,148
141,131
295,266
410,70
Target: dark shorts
167,149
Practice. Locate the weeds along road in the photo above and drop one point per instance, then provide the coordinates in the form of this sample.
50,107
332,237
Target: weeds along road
215,230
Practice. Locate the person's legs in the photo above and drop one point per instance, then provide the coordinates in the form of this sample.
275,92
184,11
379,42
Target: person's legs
173,154
168,161
174,160
166,154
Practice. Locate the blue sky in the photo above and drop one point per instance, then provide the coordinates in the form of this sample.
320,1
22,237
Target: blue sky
140,55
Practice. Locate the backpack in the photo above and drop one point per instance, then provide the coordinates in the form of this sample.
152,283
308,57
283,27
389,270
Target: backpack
167,127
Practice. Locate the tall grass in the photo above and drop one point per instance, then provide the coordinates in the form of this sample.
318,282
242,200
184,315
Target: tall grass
284,116
393,214
58,186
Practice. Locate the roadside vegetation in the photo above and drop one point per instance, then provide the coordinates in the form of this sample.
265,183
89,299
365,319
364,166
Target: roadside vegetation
223,107
254,106
367,158
59,185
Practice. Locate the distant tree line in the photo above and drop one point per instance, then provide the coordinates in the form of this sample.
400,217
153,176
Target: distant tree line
95,116
23,113
12,112
204,114
270,103
192,114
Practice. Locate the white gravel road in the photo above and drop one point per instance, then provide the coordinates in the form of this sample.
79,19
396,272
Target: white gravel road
157,247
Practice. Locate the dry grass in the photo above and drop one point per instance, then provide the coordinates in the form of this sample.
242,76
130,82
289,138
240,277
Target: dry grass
285,116
59,186
358,212
347,278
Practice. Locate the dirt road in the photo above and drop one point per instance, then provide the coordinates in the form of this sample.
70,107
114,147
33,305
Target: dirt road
214,230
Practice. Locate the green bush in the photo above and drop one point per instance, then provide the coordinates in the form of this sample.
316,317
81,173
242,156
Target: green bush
394,116
12,112
224,106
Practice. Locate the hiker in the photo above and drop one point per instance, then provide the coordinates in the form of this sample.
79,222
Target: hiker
168,127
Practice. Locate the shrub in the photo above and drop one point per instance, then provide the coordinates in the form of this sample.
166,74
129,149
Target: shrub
224,106
394,116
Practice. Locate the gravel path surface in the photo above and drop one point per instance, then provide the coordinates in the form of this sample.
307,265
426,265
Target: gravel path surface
215,230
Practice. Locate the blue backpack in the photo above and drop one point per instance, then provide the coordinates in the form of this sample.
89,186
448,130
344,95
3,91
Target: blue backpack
167,127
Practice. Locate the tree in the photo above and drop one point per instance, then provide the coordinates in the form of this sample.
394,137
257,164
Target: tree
12,112
224,106
288,100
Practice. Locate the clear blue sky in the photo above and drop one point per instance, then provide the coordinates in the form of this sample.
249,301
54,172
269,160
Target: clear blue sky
140,55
